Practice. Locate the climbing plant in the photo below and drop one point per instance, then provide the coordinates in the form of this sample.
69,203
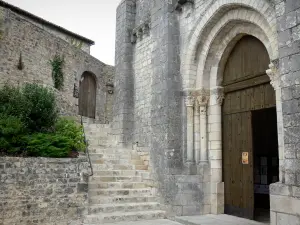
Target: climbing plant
57,64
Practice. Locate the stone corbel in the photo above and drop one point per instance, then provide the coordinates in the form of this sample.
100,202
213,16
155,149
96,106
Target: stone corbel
273,73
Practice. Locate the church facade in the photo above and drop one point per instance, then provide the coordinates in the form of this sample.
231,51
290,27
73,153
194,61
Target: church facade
210,88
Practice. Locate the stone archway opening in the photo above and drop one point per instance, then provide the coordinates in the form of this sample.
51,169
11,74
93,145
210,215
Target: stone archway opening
249,131
87,95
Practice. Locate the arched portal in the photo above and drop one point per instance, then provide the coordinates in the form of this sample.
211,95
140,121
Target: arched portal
87,95
249,129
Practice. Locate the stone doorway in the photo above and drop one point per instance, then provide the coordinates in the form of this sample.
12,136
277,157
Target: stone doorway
87,95
248,93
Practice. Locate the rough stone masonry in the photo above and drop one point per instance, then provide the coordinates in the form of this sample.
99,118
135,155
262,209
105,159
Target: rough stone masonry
169,58
43,191
33,41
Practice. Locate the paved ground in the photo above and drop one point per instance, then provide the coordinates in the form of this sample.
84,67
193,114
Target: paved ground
148,222
197,220
216,220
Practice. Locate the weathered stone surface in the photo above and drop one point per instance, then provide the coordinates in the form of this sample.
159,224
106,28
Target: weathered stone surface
38,44
42,190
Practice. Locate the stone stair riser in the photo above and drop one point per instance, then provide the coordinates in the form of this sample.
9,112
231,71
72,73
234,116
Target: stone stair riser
97,209
122,199
117,185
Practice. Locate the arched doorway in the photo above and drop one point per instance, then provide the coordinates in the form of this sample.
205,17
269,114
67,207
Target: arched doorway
250,144
87,95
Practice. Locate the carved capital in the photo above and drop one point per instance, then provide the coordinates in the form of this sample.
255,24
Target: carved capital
189,101
218,95
273,73
203,100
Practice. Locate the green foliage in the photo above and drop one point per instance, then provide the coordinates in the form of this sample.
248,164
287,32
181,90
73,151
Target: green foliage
29,124
68,137
57,64
12,101
33,104
41,112
11,134
73,131
47,145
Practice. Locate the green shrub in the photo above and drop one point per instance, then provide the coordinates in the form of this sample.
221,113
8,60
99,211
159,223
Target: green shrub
33,104
12,102
71,130
48,145
12,131
29,124
42,112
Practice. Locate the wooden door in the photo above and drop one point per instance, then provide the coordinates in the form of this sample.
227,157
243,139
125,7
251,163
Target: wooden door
247,88
87,96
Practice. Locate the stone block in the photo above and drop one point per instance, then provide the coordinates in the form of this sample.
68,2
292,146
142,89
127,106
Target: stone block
291,5
285,38
291,19
287,219
296,33
295,62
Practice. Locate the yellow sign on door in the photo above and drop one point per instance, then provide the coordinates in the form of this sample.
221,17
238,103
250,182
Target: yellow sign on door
245,158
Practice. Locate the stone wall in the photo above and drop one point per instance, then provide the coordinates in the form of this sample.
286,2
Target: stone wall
148,63
287,193
43,191
37,46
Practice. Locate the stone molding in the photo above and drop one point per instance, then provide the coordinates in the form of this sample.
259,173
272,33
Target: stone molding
189,101
218,95
274,74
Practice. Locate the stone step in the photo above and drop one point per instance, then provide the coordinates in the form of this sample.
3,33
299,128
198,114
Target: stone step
115,179
142,173
123,161
114,150
97,142
97,167
117,185
115,173
125,207
125,216
120,192
121,199
96,156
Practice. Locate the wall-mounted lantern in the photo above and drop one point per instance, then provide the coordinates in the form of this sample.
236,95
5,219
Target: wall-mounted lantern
110,88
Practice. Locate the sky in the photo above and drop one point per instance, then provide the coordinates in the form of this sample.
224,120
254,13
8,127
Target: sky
94,19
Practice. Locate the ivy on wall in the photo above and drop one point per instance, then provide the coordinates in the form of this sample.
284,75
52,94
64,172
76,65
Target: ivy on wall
57,64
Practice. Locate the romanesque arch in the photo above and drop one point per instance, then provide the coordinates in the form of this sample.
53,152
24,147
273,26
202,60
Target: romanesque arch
206,53
220,16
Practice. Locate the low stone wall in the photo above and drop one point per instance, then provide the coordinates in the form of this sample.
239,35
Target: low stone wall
43,191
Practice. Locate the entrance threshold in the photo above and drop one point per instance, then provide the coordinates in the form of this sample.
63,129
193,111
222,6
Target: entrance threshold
216,220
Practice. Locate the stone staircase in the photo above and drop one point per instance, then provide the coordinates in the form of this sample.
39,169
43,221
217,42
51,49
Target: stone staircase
119,190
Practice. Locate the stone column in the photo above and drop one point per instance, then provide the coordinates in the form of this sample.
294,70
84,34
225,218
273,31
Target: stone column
189,102
197,132
274,75
215,149
203,100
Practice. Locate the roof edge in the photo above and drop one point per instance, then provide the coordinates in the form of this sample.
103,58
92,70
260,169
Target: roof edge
44,22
